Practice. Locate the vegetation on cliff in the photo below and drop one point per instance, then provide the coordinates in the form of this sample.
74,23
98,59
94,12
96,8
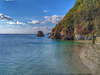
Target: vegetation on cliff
80,22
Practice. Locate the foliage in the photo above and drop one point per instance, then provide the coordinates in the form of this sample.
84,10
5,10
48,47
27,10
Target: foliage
83,17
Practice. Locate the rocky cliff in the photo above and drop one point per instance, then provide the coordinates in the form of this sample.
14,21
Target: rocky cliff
80,22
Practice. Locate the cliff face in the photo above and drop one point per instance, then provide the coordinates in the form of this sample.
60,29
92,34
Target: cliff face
80,22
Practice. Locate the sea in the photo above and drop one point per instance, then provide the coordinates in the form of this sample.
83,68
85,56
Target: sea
31,55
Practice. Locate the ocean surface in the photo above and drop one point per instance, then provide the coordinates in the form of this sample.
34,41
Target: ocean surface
31,55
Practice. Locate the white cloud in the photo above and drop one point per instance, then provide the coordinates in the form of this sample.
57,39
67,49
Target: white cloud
10,22
9,0
47,18
45,11
35,22
2,20
18,22
5,17
56,18
43,22
53,19
13,23
14,26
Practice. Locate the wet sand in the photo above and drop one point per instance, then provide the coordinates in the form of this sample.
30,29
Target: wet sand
90,57
84,41
76,56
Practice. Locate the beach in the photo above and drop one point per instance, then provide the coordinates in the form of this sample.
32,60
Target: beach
90,57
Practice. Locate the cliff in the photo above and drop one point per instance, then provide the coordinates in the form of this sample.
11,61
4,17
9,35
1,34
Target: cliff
80,22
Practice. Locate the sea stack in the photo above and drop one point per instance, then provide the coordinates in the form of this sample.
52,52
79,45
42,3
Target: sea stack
40,34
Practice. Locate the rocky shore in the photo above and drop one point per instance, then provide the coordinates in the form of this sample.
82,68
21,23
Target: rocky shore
90,57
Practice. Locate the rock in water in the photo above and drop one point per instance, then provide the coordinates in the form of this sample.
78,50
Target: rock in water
40,34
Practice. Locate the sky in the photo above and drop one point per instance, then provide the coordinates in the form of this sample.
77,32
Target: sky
30,16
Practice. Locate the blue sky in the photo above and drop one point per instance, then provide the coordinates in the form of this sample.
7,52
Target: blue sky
29,16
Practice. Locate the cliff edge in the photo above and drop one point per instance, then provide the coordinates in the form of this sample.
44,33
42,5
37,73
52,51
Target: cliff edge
80,22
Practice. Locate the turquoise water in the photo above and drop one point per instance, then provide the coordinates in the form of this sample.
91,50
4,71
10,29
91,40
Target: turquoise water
30,55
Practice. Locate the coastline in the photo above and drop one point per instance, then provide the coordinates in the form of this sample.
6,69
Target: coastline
76,56
90,57
84,41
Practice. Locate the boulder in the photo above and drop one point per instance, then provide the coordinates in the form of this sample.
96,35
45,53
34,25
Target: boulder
40,34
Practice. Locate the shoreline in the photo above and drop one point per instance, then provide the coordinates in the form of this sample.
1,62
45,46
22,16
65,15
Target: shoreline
84,41
89,55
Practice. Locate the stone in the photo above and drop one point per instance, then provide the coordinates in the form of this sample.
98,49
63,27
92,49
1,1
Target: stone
40,34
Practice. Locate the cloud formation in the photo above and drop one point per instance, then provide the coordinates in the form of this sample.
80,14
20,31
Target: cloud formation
11,25
11,22
35,22
45,11
9,0
53,19
5,17
17,23
47,19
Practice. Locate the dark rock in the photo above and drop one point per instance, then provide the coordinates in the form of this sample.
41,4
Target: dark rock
40,34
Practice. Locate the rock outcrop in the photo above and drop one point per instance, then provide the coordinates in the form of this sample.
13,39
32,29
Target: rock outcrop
80,22
40,34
